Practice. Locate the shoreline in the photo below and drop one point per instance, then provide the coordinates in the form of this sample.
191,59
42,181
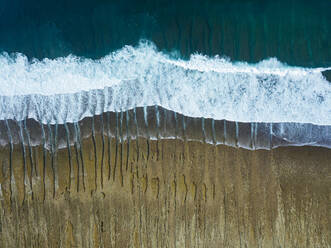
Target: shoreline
155,122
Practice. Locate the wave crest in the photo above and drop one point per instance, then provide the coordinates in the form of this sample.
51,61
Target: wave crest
70,88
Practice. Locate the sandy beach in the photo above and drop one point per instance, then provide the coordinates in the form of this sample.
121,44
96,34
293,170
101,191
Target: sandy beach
165,193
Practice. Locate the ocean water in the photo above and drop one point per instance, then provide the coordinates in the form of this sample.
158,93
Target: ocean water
240,61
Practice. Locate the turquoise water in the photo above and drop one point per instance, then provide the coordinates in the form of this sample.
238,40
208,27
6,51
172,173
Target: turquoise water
295,31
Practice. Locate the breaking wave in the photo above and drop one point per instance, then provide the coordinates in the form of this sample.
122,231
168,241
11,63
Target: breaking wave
70,88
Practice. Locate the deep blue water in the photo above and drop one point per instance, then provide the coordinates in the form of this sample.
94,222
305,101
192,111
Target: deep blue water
295,31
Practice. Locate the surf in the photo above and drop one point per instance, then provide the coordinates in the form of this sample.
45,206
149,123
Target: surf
208,87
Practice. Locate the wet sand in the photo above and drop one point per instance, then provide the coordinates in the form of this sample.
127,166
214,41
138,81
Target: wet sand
164,193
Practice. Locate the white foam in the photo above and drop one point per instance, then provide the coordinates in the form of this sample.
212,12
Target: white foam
71,88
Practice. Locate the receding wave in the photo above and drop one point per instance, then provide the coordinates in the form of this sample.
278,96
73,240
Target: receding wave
70,88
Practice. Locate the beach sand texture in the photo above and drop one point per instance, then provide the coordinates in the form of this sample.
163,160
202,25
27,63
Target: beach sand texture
110,191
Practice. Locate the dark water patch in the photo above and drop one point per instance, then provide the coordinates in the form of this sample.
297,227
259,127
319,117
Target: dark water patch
327,75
